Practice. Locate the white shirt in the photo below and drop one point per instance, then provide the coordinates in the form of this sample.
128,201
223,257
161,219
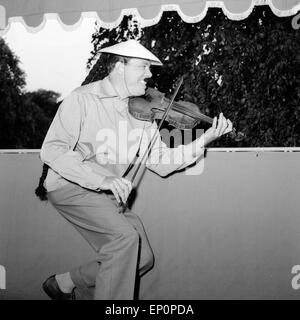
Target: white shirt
93,136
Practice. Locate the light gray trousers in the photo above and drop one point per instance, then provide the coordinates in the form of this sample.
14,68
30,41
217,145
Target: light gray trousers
123,250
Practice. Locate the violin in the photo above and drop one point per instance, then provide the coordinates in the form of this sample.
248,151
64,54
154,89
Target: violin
183,115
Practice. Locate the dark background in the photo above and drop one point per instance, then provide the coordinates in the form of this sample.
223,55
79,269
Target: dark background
246,69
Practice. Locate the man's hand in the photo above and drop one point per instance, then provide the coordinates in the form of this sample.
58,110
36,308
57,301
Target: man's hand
219,127
120,187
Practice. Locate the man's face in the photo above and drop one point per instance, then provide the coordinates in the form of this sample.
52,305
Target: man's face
136,71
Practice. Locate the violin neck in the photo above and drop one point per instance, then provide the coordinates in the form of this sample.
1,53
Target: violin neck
190,113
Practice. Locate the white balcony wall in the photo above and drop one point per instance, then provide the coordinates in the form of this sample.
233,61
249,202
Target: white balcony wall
232,232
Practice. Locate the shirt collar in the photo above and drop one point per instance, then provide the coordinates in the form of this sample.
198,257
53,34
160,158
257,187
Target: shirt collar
104,89
120,104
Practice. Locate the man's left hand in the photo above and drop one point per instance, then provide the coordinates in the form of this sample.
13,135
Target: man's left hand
219,127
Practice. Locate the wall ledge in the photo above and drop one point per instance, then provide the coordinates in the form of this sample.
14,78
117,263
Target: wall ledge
256,150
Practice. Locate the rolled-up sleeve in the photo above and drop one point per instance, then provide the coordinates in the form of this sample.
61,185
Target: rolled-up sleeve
58,149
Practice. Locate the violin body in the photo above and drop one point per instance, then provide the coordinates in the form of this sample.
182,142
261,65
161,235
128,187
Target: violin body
153,105
183,115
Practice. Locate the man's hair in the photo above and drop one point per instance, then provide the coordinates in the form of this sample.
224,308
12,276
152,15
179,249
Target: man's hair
104,65
110,61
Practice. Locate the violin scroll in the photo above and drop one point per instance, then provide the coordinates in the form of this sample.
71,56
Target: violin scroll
236,136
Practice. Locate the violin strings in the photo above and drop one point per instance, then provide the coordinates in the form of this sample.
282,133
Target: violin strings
153,140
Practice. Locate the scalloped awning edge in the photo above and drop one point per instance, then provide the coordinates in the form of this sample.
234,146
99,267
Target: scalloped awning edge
78,17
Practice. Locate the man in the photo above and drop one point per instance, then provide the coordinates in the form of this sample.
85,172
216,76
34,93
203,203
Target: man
87,161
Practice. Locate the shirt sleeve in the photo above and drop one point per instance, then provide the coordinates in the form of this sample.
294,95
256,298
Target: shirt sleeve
164,160
58,149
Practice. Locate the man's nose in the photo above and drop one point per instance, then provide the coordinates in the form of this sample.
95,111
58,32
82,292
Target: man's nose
148,72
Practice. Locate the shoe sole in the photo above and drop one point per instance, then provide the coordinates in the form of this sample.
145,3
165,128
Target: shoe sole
50,295
48,292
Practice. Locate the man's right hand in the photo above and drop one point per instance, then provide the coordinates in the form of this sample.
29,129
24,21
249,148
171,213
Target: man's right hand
120,187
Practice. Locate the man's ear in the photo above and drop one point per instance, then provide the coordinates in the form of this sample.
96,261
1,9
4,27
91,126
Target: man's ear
119,67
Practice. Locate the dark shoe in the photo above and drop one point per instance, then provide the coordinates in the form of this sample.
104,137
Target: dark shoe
51,287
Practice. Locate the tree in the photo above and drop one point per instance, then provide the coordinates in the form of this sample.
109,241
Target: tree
12,82
39,108
25,116
246,69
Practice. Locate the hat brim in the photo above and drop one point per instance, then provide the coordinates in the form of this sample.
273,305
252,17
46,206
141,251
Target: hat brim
132,49
153,62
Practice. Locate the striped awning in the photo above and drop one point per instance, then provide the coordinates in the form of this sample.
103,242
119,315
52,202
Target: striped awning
110,12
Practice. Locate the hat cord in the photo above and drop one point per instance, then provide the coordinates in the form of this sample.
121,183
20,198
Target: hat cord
125,82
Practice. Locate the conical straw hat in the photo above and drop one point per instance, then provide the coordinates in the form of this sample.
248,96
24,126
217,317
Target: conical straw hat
132,49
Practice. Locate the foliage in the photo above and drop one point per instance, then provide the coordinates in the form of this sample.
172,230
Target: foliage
246,69
39,108
12,81
25,116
